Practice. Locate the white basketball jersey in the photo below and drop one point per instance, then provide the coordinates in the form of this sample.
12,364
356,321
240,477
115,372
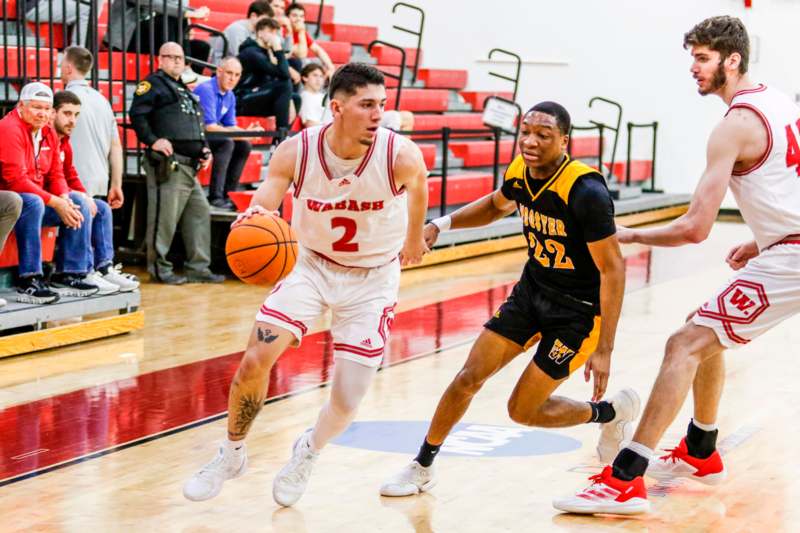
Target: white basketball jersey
349,211
768,193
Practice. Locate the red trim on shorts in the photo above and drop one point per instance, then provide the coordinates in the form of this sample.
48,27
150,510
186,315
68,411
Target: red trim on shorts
283,318
769,137
386,322
364,161
789,239
358,350
733,336
328,259
303,163
321,151
761,88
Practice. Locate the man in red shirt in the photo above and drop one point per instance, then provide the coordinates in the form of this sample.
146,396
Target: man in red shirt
302,43
100,252
30,166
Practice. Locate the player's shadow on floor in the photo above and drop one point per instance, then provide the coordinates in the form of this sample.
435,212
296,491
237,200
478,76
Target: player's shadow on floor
418,510
288,520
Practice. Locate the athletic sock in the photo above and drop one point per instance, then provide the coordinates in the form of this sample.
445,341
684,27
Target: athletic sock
234,446
427,453
632,461
602,412
699,442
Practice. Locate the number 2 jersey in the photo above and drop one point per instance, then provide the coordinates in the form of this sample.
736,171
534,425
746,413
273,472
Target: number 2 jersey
560,215
768,193
350,212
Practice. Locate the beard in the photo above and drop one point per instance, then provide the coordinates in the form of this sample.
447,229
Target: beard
717,82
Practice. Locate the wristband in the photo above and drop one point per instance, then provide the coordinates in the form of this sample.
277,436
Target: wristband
443,223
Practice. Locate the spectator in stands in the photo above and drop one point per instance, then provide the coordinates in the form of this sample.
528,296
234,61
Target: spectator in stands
279,10
168,120
314,110
30,158
100,253
10,208
240,30
265,88
144,19
72,13
219,114
302,43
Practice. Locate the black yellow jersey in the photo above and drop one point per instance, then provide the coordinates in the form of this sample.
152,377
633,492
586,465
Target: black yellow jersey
560,215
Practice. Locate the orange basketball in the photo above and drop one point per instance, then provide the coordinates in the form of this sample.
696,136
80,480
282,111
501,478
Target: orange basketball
261,249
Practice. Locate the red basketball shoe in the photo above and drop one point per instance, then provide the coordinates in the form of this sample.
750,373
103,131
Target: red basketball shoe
678,463
607,494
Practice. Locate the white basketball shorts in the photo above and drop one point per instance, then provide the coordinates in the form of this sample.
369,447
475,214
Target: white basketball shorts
760,296
361,301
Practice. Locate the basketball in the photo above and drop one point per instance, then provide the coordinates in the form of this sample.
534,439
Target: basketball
261,249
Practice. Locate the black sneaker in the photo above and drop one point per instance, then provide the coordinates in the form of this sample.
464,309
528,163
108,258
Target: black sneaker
33,290
72,285
205,277
223,203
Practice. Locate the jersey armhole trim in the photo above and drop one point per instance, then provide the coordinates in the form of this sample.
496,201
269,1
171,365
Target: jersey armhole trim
764,119
303,163
390,166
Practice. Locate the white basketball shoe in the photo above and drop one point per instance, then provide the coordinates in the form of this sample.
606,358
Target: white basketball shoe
615,434
207,483
412,479
290,483
678,463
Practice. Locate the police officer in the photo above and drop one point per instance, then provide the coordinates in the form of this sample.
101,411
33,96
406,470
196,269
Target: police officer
167,118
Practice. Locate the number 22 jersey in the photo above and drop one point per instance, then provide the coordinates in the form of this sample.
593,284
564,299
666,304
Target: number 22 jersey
560,215
350,212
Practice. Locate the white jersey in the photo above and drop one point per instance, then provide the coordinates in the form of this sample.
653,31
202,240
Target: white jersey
768,193
349,211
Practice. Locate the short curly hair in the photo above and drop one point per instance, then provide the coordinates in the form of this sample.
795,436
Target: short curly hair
723,34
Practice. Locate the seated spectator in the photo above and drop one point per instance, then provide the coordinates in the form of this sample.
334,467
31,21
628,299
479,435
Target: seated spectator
302,43
279,10
313,110
100,252
240,30
46,200
265,89
125,15
219,114
72,13
10,208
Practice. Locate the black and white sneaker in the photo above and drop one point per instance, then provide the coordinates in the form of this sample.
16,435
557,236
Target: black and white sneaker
34,290
72,285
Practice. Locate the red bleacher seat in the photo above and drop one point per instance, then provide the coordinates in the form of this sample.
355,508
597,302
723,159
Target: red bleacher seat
481,153
477,98
221,19
117,59
641,170
113,91
9,255
251,173
386,69
44,58
268,123
461,188
128,136
241,199
585,146
468,121
389,56
10,9
44,33
419,99
428,154
443,78
339,52
312,12
351,33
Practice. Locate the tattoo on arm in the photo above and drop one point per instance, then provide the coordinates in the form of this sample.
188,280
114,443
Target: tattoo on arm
246,413
265,335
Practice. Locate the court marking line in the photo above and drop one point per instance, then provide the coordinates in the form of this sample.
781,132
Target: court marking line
204,421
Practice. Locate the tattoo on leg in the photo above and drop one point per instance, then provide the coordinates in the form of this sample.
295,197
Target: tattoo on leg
249,406
265,335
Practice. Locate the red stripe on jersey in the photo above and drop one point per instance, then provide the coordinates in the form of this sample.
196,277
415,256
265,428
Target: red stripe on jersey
321,152
390,165
364,161
761,88
763,118
303,163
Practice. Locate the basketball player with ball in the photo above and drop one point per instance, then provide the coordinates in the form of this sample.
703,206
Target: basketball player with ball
359,204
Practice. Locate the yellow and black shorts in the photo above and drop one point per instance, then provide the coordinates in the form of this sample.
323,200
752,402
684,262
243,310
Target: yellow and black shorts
567,335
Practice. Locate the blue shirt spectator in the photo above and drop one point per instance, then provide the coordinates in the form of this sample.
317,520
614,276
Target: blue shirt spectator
219,107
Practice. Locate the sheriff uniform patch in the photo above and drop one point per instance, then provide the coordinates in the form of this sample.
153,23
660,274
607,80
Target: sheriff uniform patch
142,88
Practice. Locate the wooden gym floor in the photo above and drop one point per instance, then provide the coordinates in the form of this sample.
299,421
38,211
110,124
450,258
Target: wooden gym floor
101,436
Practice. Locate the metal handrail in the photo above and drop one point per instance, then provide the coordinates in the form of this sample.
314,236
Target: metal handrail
515,79
213,31
418,34
398,77
650,125
601,133
612,128
319,19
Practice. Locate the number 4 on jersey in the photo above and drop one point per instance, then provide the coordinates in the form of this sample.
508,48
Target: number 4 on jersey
792,148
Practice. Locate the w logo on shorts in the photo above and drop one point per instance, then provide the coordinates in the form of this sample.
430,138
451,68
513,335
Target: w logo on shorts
560,352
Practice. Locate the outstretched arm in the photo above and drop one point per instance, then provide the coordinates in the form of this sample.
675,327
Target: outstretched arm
410,172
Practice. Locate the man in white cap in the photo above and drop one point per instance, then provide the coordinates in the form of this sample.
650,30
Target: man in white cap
30,159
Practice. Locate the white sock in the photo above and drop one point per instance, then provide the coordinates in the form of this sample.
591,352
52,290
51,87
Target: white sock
640,449
234,446
704,427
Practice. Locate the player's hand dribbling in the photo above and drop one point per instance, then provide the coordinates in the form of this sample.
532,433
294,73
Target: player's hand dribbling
412,252
741,254
431,234
599,365
252,211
